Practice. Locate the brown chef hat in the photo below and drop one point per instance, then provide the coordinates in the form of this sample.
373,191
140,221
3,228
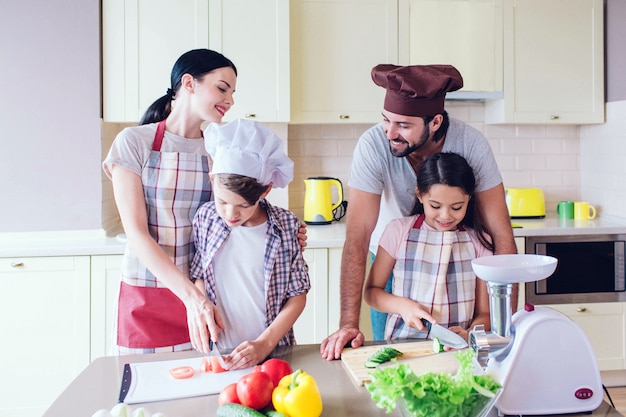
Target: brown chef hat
416,90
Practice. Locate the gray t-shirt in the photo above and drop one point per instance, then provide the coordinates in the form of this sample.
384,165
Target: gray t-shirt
375,170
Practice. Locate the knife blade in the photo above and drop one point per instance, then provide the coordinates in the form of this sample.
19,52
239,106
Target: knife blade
215,352
445,336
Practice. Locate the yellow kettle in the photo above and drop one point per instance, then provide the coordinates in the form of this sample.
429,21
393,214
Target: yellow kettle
319,207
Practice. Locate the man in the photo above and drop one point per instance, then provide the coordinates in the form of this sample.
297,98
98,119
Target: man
383,178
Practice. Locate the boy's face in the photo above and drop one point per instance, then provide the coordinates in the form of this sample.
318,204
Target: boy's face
234,209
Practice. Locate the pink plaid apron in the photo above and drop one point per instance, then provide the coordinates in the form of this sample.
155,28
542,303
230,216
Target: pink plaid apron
175,185
434,269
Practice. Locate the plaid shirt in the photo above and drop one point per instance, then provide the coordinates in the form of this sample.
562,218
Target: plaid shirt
286,273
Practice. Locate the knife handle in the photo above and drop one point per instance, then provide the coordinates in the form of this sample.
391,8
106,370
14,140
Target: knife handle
426,323
126,380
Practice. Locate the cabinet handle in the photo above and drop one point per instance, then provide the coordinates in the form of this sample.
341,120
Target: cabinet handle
344,116
581,309
250,115
553,117
17,264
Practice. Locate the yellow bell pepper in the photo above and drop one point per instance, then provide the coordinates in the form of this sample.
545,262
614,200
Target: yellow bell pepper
297,395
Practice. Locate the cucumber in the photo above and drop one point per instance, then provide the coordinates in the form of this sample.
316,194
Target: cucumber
437,345
236,410
382,355
273,413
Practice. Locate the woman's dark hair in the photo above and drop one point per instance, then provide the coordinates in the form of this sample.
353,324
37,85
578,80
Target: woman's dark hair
197,63
452,170
246,187
443,129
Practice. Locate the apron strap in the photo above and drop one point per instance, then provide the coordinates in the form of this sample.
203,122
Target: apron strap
158,136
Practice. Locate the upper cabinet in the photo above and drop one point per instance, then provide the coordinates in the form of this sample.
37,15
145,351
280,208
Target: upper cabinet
143,38
335,44
463,33
553,63
255,36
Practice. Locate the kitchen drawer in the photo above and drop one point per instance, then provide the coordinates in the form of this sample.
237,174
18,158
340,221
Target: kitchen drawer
586,309
40,264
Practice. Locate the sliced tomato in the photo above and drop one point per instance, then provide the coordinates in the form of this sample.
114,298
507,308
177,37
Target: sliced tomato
182,372
215,365
205,366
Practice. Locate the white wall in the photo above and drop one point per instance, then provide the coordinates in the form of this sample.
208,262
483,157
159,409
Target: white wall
49,115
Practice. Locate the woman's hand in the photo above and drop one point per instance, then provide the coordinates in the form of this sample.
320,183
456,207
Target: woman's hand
204,322
248,354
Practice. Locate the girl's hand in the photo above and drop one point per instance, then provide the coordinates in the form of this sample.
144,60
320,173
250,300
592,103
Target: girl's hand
248,354
464,333
412,313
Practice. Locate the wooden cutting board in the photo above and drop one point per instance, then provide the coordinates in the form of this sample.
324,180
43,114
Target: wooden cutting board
354,359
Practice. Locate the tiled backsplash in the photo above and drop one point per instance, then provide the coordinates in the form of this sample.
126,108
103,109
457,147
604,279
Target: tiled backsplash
541,156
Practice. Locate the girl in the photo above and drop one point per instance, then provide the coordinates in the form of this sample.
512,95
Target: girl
247,255
430,254
159,172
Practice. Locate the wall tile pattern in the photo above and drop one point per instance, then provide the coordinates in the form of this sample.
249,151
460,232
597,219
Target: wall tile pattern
544,156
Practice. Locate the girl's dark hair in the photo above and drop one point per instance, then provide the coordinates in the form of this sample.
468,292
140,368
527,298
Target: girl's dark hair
197,63
443,129
452,170
246,187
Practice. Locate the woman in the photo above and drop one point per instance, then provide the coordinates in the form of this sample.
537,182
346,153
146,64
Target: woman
160,177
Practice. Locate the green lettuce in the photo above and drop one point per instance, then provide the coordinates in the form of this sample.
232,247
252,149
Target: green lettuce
433,394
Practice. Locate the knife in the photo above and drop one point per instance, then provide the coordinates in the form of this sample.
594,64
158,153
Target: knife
215,352
445,336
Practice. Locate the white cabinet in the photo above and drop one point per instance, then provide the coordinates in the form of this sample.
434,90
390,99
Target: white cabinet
463,33
44,305
321,314
553,63
603,324
335,44
141,40
255,36
105,283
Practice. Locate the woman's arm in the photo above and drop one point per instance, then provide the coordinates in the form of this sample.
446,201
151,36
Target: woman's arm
131,204
251,353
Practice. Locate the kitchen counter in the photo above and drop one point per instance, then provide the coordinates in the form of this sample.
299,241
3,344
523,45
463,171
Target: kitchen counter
94,242
98,386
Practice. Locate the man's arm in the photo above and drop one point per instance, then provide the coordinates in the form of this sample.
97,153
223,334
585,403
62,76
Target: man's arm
495,215
361,219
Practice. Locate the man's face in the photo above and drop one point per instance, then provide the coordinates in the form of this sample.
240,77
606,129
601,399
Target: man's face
406,134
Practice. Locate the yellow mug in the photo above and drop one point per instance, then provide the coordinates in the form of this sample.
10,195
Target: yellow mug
584,211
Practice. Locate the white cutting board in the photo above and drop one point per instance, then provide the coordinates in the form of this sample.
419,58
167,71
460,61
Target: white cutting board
151,381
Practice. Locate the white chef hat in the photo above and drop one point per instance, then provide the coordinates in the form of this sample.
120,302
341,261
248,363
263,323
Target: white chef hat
246,147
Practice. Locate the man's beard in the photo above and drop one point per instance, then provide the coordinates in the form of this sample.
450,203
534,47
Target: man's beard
410,149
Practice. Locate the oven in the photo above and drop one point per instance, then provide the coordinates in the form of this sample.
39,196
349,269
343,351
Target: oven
590,269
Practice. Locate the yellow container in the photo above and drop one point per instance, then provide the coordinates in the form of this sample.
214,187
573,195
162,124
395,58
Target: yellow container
526,203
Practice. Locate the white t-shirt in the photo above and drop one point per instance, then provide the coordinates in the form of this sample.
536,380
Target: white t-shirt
375,170
240,281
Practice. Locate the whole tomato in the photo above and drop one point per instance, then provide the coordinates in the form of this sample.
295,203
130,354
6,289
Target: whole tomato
275,368
228,395
254,390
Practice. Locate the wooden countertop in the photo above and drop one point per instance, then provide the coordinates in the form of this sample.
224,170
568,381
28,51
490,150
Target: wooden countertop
97,387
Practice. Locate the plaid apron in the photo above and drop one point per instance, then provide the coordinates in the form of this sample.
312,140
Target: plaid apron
434,269
150,316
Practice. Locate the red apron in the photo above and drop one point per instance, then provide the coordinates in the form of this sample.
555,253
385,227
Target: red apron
175,185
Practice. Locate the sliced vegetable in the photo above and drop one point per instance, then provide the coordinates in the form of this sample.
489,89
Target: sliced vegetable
382,355
205,365
437,345
432,394
182,372
216,367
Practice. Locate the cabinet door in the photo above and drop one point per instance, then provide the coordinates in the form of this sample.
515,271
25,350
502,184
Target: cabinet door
335,45
603,324
463,33
553,63
44,305
255,36
105,283
312,325
141,40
